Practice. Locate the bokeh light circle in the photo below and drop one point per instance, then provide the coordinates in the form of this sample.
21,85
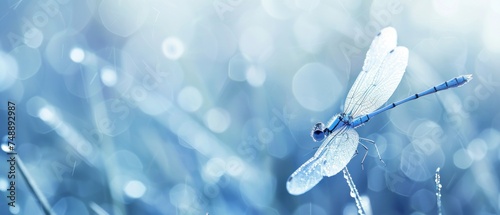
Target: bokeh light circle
58,51
134,189
215,168
3,182
190,99
77,55
477,149
108,76
8,71
172,48
46,114
217,120
33,39
255,76
31,61
123,18
316,87
462,159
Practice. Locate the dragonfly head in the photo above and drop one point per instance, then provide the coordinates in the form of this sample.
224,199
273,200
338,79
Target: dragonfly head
319,132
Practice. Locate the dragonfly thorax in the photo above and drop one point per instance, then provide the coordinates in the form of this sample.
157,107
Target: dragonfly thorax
320,131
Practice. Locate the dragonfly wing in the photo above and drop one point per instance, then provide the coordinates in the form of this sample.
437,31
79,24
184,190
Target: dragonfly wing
382,44
382,71
339,152
305,177
310,173
333,155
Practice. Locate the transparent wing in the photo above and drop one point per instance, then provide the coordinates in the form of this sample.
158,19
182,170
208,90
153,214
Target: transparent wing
382,44
382,71
333,155
339,152
305,177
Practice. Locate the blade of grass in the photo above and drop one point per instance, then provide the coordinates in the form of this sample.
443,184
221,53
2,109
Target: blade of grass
354,191
33,187
438,191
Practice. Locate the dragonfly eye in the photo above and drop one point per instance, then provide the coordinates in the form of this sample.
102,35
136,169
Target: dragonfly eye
318,132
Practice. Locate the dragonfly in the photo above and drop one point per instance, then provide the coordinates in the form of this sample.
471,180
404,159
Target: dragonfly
382,71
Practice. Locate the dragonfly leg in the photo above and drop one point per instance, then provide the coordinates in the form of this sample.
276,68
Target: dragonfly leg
376,148
364,157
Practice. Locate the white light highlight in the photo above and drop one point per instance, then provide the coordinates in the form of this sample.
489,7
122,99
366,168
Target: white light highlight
108,76
3,184
134,189
46,114
255,76
215,167
477,149
217,120
172,48
77,55
5,147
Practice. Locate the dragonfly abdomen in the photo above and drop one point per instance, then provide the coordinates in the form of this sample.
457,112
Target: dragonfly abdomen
455,82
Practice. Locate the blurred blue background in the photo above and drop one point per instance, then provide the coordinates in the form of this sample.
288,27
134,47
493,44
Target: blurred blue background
196,107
